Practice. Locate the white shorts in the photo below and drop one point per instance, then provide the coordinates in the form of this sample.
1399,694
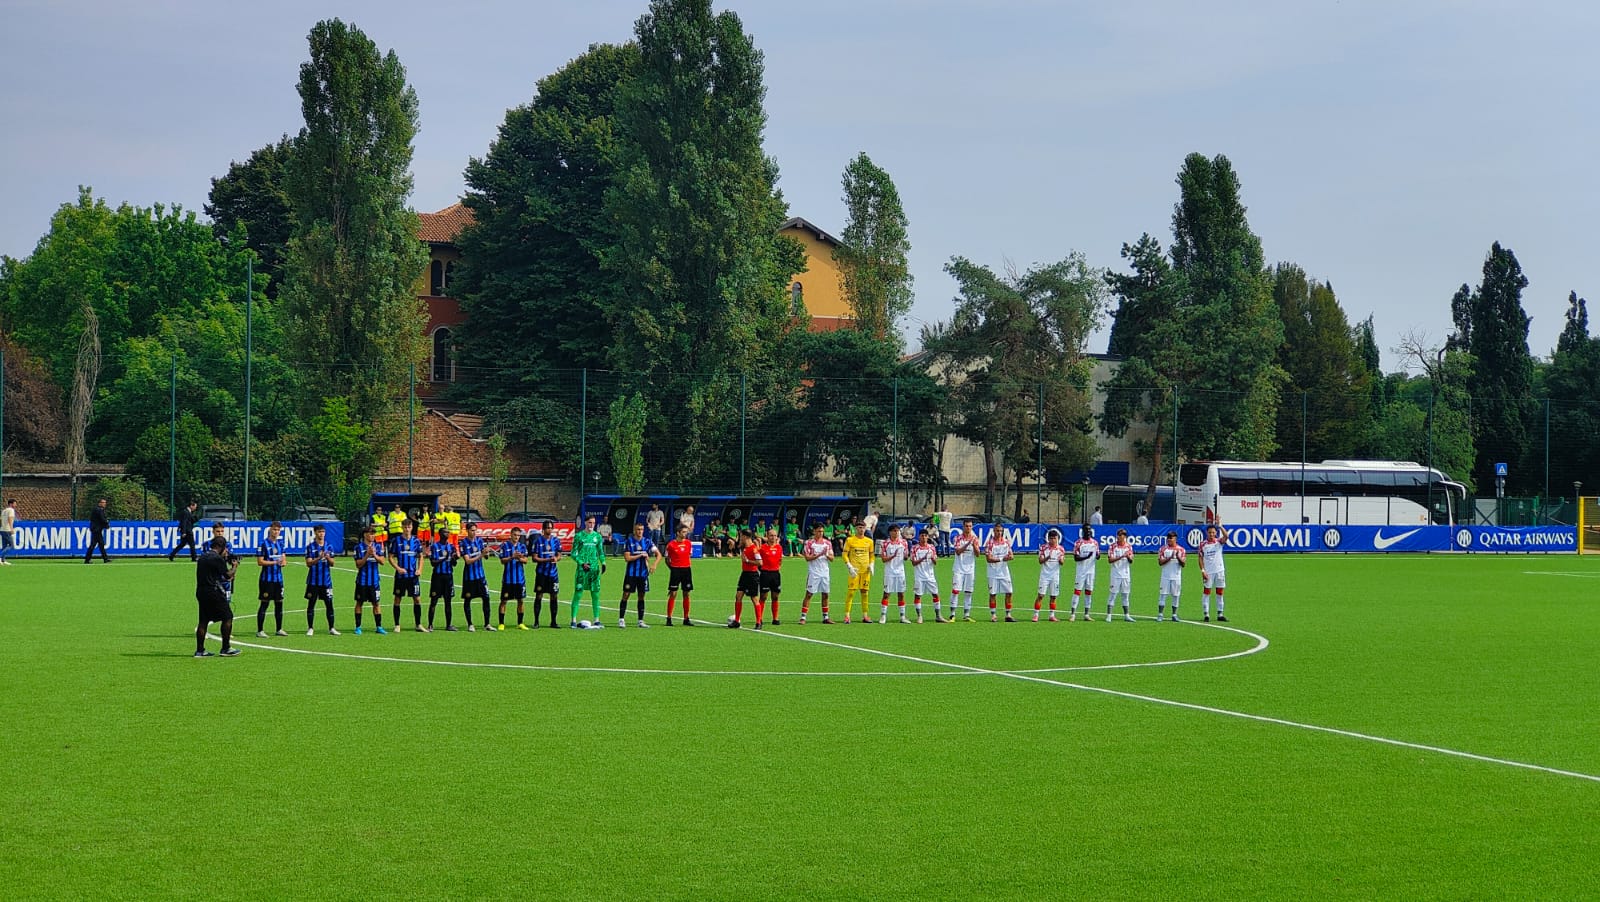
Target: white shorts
1219,580
999,584
817,583
1084,581
1050,584
963,580
1120,585
894,580
926,585
1172,585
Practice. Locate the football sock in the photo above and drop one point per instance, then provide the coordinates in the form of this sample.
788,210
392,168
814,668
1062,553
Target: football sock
670,600
519,612
686,606
775,607
738,608
1219,602
311,614
397,612
1008,604
433,607
277,612
486,621
261,617
1205,602
448,612
759,606
416,611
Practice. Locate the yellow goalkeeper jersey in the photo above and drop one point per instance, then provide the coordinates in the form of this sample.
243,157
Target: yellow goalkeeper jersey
858,552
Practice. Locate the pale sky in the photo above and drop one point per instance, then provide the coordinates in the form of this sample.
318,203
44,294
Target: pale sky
1383,146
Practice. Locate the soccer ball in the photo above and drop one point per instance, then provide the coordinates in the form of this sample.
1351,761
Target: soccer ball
585,625
731,620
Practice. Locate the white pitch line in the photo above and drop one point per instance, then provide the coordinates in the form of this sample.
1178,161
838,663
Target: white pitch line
1258,718
1560,573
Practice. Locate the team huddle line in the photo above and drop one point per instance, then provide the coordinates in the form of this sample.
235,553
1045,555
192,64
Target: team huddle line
760,577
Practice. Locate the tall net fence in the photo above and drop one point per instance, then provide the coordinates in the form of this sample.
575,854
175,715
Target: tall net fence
496,440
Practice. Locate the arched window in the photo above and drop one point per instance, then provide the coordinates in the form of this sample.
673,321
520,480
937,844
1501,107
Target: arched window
449,277
444,363
797,298
436,279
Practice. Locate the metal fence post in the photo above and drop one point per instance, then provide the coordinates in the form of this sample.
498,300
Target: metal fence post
743,417
172,438
411,431
1038,485
249,355
894,455
583,428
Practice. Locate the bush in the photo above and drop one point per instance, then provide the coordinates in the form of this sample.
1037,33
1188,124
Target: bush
125,499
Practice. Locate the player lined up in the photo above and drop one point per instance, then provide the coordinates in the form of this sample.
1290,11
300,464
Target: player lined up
760,579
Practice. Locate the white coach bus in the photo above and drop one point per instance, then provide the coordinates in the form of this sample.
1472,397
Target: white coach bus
1354,492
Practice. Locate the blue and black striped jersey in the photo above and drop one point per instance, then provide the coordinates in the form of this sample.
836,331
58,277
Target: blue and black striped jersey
474,568
443,558
271,550
630,545
546,548
369,561
407,554
512,574
318,571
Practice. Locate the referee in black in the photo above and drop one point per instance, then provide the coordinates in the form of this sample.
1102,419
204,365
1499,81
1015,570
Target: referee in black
211,576
188,519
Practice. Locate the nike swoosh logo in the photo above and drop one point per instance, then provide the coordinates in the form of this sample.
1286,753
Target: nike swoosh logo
1380,542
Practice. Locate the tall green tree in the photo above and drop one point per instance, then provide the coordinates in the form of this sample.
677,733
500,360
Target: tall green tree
1573,384
1019,377
1151,332
531,281
874,270
252,194
700,271
163,289
1327,393
1229,406
352,263
1492,326
857,383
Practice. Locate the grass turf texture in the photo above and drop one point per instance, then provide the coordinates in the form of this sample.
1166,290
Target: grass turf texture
135,771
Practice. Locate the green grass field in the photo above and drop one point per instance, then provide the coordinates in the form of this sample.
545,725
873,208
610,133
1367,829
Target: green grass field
885,762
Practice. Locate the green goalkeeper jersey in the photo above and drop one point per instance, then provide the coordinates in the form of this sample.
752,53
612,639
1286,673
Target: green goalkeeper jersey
586,547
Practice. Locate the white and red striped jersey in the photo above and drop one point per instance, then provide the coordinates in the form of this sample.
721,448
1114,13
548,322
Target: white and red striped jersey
1084,551
966,551
818,552
1121,558
997,548
894,552
1211,556
923,559
1171,558
1051,557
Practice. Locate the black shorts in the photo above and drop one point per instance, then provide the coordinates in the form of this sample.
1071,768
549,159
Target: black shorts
680,578
214,608
750,582
549,585
640,584
319,593
367,594
406,587
474,588
771,581
442,585
269,591
513,591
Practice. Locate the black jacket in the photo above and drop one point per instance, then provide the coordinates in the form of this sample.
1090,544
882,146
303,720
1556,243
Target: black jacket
99,520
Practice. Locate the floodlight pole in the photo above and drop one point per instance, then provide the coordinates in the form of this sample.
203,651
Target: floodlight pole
249,352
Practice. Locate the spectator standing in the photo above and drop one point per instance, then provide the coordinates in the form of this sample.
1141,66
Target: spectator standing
8,530
1096,519
654,522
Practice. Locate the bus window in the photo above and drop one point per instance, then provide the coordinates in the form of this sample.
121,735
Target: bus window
1283,483
1238,483
1194,475
1380,485
1343,482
